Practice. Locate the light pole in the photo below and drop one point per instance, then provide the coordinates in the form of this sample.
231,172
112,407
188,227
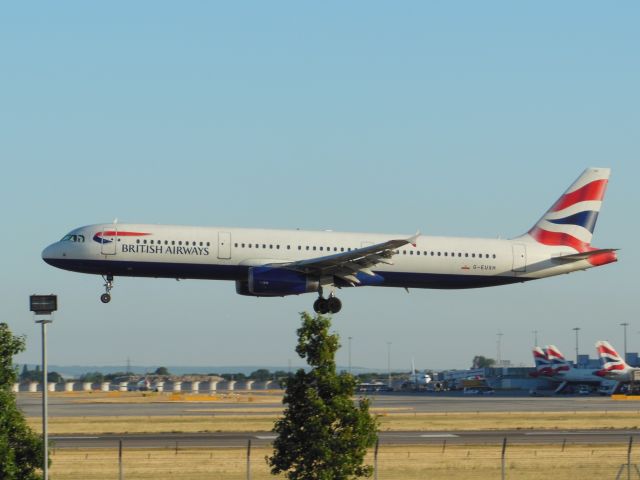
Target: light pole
576,329
350,355
389,363
499,348
44,305
625,325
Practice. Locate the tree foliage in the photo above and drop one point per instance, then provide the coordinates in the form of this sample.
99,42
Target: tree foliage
20,448
480,361
323,435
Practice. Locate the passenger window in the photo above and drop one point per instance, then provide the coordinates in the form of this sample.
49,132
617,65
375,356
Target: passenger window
418,252
314,248
299,247
438,253
264,245
410,252
446,254
473,255
321,248
307,247
270,247
494,255
235,245
137,241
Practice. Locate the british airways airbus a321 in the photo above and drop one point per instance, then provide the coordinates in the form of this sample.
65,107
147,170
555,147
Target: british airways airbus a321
276,263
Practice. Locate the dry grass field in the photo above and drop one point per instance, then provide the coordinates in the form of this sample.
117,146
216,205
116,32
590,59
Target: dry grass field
407,462
394,463
247,421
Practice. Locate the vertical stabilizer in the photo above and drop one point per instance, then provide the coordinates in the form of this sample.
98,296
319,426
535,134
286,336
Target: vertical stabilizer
542,363
572,218
612,362
559,364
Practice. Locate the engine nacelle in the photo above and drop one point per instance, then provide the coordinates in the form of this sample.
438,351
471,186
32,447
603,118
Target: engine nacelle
275,282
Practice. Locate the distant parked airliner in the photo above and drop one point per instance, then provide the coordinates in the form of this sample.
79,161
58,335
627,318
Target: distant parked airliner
271,263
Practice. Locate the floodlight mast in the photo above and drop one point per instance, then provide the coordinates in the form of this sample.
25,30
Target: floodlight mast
44,305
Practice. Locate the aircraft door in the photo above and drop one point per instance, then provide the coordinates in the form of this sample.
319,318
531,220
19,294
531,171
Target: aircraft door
519,257
108,240
224,245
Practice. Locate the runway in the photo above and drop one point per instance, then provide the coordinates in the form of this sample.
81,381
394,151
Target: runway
72,406
262,439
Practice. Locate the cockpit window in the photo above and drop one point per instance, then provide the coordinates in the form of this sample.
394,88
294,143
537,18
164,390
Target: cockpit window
73,238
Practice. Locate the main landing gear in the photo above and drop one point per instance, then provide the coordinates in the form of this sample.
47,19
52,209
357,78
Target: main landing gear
327,305
108,285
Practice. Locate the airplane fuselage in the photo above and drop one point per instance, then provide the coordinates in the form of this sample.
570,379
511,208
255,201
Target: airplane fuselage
163,251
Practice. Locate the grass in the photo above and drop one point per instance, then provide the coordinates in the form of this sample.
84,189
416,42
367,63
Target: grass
394,463
250,422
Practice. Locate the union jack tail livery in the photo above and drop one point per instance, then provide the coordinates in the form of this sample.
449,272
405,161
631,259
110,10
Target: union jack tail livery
558,363
572,218
613,365
542,363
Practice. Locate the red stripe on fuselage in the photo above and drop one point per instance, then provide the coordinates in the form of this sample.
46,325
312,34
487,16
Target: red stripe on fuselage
115,233
590,192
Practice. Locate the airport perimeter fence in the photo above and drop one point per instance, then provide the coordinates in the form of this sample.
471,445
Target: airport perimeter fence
561,460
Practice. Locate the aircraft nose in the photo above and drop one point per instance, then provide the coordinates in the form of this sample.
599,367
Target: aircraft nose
50,253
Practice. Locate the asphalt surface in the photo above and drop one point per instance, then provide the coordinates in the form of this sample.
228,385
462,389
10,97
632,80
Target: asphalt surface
72,406
240,439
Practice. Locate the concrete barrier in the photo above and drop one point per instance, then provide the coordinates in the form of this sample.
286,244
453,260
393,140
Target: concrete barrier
213,386
248,385
158,386
68,387
105,386
86,386
51,386
15,388
231,385
195,387
177,386
33,387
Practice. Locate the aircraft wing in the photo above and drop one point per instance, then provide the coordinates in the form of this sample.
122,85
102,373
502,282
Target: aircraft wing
346,265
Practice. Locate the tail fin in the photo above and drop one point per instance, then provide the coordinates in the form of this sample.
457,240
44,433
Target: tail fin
612,362
542,363
571,220
557,360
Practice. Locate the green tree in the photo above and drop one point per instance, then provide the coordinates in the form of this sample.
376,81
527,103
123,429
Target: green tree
480,361
322,435
161,371
20,448
260,375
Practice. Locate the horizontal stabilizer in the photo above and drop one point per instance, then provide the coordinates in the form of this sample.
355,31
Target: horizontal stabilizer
573,257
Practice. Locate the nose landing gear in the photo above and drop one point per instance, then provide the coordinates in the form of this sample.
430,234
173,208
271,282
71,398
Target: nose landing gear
108,285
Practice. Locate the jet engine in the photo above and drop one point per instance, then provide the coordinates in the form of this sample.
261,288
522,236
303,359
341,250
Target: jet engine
275,282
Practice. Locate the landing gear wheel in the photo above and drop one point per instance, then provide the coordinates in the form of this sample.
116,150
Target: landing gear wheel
321,306
334,304
108,285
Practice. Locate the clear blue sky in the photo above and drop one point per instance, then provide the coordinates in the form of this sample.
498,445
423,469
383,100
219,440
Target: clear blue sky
454,118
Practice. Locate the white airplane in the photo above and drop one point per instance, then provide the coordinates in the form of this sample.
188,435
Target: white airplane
418,380
270,263
551,364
